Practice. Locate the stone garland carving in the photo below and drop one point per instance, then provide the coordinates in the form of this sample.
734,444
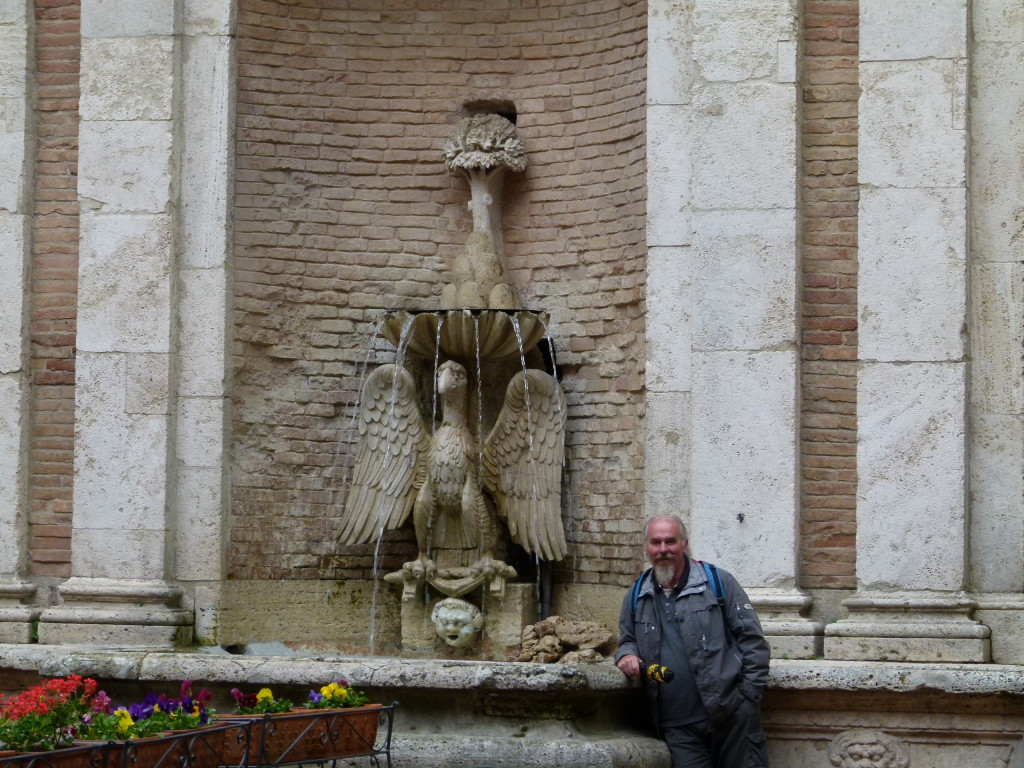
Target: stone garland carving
863,748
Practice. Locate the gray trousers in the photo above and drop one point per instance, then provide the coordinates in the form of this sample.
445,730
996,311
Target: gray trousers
736,742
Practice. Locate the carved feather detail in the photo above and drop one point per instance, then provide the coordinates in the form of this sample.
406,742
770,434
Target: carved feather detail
390,463
436,477
523,463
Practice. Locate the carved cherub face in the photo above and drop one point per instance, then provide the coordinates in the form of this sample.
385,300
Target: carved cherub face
457,622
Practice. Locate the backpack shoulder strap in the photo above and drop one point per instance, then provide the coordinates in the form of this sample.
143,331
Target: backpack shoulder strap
634,592
716,582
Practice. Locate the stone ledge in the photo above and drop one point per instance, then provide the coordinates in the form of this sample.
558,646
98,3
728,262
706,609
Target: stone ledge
432,674
897,677
377,672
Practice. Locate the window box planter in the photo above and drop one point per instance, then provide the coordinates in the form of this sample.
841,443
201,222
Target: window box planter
307,734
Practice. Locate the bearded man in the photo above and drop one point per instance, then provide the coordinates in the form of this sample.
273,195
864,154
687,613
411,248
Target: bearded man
709,714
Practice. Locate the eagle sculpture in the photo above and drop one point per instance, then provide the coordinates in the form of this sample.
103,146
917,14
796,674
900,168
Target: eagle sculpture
456,488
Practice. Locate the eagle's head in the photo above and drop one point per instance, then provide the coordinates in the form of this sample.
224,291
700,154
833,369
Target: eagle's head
451,377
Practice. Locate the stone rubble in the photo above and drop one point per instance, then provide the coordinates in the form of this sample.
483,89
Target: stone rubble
557,640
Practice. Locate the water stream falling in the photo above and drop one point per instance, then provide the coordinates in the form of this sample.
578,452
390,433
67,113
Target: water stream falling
529,425
479,413
437,360
369,342
403,344
535,544
441,317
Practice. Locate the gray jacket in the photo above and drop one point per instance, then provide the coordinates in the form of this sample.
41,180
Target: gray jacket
725,668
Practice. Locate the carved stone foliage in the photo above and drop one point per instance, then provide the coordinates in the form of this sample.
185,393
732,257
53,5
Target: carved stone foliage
862,748
484,142
482,148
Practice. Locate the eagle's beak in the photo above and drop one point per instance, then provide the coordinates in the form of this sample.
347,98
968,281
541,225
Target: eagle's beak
444,380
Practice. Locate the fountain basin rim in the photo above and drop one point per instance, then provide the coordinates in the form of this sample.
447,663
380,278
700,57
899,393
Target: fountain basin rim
466,310
173,665
382,672
465,334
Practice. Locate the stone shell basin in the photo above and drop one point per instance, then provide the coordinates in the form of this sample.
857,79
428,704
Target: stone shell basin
465,333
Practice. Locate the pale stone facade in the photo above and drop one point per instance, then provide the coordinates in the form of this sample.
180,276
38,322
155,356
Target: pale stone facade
937,614
15,92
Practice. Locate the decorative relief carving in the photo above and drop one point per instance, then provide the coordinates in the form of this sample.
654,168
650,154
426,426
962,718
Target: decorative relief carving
457,622
862,748
482,148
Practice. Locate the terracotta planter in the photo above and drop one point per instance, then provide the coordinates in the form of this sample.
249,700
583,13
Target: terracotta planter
204,746
193,748
305,734
79,756
236,745
343,732
149,752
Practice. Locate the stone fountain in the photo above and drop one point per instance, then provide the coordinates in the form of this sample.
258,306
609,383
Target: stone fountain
481,481
476,480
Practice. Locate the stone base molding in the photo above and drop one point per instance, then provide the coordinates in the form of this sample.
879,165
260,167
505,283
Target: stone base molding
908,626
115,612
1003,614
789,633
17,618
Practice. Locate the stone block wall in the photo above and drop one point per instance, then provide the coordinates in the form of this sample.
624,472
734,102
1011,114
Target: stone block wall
344,209
700,178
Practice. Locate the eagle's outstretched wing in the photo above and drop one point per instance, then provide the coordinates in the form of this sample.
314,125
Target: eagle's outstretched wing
390,464
523,463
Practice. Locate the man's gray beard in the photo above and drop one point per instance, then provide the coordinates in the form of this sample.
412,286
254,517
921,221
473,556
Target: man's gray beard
664,572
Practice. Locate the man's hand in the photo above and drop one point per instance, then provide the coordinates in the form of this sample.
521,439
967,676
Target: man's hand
630,665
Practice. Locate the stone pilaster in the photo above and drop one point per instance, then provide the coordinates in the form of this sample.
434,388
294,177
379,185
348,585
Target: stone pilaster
16,615
997,307
126,371
911,517
201,475
668,436
722,355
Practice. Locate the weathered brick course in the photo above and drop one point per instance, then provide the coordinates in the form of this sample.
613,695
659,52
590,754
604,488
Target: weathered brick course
829,299
54,286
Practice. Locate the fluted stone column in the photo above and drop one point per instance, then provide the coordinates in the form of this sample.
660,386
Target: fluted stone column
997,324
150,408
722,284
16,616
911,602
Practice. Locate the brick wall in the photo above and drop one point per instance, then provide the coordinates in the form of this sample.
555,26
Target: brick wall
829,368
344,208
338,142
54,286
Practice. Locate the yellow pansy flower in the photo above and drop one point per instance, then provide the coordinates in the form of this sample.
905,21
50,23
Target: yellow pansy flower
124,720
